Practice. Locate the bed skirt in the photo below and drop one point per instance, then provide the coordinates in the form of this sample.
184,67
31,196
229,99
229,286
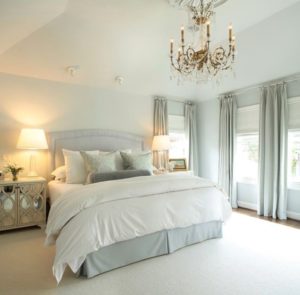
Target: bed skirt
152,245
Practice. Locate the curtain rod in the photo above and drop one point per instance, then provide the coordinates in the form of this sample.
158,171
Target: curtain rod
288,79
178,101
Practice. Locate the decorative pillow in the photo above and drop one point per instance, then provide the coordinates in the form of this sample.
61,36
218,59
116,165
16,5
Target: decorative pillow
75,170
100,177
137,161
118,158
60,173
100,163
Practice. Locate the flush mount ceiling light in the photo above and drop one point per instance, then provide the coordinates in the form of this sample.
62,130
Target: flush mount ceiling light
200,62
73,70
119,80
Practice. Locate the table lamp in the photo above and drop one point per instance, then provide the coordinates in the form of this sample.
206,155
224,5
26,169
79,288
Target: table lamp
160,144
32,139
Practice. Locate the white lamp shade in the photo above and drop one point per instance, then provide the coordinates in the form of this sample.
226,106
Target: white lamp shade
32,139
161,143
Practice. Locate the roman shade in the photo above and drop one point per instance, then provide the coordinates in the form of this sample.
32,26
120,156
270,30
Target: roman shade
294,111
248,119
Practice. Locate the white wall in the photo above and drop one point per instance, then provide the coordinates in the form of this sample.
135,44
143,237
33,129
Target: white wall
28,102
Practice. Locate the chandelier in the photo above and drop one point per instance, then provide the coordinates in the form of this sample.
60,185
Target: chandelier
201,63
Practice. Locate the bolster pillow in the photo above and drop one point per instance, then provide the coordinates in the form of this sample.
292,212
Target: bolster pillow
99,177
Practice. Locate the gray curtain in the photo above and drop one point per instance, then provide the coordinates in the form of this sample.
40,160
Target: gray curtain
273,152
160,128
190,126
227,128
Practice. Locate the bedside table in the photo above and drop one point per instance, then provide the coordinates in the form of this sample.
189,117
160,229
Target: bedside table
186,172
22,203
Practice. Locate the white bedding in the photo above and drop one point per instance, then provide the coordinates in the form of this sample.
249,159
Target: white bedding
58,189
86,219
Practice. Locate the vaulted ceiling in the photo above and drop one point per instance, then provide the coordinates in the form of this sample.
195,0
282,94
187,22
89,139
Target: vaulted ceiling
106,38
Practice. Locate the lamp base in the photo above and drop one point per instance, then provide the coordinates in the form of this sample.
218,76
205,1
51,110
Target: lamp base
32,166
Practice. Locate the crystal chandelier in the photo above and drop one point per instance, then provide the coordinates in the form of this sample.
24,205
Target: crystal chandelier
201,63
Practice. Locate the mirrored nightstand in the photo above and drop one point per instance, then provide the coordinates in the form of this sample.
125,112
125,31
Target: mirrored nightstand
22,203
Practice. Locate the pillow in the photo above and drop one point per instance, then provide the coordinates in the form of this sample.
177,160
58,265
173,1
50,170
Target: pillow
102,162
60,173
118,158
75,170
100,177
137,161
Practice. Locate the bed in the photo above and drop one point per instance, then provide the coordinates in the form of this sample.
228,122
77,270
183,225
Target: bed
102,226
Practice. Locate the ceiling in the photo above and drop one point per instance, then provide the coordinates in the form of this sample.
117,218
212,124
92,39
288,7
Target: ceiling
106,38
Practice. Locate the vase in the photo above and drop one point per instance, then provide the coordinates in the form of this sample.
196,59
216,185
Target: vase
15,177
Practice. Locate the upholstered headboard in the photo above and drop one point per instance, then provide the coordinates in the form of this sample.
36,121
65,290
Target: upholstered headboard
94,139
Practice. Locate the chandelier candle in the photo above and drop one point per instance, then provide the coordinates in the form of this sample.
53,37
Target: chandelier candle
208,29
230,33
233,44
182,35
171,46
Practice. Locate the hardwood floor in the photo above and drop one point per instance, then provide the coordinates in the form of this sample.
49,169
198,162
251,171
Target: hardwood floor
288,222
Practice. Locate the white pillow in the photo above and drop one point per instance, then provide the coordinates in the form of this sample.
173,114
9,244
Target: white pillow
60,173
75,169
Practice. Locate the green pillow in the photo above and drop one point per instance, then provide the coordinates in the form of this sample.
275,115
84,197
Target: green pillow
99,163
137,161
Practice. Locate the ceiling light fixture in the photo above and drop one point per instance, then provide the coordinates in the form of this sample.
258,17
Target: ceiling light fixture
200,63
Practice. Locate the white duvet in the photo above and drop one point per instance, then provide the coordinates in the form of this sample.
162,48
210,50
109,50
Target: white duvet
101,214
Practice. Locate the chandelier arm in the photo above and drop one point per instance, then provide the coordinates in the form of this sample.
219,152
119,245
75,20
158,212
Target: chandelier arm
176,67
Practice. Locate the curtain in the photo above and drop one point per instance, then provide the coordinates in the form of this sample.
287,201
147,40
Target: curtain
273,152
227,128
160,128
190,126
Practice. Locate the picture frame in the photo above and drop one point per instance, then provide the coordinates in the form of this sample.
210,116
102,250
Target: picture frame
178,164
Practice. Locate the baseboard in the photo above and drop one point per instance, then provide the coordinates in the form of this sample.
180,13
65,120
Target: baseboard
293,215
252,206
247,205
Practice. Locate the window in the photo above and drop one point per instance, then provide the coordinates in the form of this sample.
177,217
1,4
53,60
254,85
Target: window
247,157
178,145
294,157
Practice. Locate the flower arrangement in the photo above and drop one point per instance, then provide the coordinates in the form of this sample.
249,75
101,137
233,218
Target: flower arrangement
14,170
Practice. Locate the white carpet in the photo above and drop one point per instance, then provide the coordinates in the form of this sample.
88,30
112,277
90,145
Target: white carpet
254,257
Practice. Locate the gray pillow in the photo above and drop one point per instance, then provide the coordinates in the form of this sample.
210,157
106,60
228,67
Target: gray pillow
99,177
137,161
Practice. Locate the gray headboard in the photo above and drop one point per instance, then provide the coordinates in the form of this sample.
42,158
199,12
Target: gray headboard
92,139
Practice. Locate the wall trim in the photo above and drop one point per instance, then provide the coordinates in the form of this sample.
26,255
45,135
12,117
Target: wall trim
247,205
293,215
252,206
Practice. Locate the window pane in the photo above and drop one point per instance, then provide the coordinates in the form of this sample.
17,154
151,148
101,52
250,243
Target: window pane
247,157
294,156
177,145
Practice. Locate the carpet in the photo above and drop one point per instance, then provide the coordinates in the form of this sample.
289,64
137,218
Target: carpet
254,257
